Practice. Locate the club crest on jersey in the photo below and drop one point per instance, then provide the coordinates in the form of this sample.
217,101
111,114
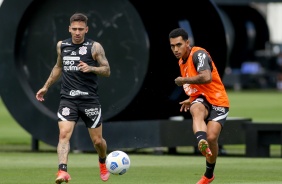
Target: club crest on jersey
82,50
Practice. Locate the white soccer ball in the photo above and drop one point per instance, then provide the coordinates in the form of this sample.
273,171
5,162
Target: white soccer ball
117,162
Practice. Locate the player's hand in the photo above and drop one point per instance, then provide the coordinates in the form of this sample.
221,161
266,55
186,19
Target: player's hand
185,105
40,94
179,81
84,67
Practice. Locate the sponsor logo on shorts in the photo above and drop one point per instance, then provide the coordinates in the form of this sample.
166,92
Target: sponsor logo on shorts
218,109
92,112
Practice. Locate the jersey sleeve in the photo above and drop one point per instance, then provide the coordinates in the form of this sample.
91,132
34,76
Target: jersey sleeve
202,61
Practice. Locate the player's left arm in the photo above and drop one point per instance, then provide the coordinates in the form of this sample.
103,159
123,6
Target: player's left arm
98,53
202,63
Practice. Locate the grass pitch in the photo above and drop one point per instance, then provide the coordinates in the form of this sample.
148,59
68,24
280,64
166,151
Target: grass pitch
261,106
40,168
19,165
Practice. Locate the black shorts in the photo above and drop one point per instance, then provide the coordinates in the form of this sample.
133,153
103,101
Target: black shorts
88,111
216,113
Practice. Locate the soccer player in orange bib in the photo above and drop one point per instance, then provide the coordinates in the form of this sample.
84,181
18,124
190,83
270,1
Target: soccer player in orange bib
207,100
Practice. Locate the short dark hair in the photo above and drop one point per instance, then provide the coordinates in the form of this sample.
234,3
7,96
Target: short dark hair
79,17
178,32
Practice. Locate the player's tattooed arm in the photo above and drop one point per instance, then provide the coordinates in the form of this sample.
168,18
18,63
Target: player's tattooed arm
53,77
98,54
57,69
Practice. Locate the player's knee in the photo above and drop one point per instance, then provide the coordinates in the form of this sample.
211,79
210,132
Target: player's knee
98,141
212,139
64,135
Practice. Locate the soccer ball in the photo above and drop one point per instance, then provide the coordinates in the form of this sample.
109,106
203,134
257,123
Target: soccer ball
117,162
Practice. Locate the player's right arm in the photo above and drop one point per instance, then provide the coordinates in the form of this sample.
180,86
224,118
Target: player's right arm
54,75
203,65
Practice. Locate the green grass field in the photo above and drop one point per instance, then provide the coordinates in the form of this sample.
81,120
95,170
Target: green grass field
40,168
19,165
261,106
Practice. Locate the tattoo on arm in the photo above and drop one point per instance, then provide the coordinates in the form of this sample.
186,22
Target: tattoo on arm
57,69
100,51
98,54
54,75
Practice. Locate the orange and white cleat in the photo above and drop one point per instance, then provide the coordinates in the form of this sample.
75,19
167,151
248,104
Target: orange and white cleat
62,176
203,146
104,173
205,180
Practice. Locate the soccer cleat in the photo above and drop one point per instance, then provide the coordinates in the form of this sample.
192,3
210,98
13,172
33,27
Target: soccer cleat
62,176
104,173
204,148
205,180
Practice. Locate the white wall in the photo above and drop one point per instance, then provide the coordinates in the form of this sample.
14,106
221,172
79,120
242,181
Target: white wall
274,21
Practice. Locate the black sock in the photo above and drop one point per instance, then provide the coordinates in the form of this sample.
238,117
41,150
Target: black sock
209,170
201,135
63,167
102,160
